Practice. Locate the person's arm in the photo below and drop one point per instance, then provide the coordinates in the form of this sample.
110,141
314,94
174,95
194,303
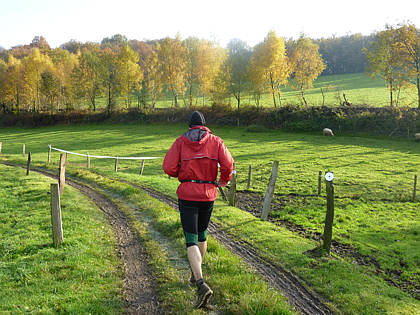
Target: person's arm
171,162
226,164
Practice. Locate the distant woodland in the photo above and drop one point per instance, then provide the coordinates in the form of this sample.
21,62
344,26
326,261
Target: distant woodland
124,73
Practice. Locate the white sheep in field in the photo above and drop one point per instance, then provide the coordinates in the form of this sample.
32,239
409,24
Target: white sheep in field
327,132
417,136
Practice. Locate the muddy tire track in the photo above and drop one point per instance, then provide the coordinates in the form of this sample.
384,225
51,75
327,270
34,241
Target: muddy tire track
303,299
138,288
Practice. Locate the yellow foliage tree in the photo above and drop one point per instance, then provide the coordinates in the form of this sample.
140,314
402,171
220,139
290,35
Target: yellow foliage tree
64,64
152,83
11,83
33,66
307,64
172,54
203,62
384,60
408,47
129,73
270,66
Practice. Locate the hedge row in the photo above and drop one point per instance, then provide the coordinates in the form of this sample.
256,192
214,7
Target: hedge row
370,120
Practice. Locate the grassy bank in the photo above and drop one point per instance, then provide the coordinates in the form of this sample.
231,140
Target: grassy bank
81,276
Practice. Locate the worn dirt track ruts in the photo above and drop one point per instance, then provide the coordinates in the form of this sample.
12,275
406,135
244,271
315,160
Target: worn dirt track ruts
305,301
139,291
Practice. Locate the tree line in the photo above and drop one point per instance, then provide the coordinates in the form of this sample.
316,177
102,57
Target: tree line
37,78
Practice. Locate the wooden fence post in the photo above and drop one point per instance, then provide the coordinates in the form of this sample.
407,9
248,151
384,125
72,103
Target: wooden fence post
1,144
142,167
248,184
329,218
415,188
87,160
23,150
270,191
231,195
222,193
49,153
116,165
57,227
28,166
62,172
319,183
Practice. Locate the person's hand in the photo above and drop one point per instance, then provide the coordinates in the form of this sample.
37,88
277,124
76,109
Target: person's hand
222,184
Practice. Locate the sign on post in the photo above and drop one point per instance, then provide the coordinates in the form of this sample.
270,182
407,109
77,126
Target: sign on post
329,218
270,191
57,227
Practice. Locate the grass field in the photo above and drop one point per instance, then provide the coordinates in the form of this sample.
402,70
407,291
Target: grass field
81,276
374,214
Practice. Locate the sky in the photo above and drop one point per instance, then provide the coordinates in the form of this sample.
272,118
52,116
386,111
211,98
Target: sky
220,20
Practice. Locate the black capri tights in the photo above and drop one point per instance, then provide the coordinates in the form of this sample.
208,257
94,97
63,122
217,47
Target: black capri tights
195,218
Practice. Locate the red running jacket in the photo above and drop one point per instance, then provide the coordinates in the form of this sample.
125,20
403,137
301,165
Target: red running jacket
195,155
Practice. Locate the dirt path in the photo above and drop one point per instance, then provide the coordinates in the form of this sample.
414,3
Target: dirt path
138,283
139,291
304,300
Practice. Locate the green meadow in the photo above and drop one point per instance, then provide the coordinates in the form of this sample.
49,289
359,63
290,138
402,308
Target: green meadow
374,211
82,276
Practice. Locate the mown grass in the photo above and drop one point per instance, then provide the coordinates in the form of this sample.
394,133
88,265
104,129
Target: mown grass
367,170
81,276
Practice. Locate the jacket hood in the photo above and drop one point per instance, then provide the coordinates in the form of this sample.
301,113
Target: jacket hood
197,134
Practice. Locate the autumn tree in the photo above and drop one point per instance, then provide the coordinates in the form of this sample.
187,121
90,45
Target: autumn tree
64,64
209,60
3,78
172,58
269,65
11,84
152,83
33,66
385,61
307,64
237,61
72,46
128,73
408,48
108,59
88,76
202,64
114,41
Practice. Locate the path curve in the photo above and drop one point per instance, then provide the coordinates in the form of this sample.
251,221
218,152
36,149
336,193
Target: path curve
138,288
303,299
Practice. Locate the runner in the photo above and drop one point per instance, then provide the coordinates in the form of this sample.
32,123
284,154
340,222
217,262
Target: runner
194,158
